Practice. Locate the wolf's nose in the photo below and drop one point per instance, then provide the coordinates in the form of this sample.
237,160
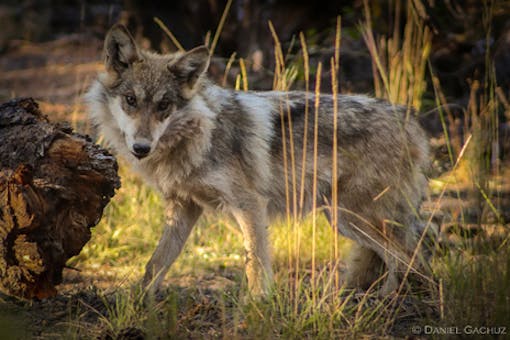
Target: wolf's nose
141,150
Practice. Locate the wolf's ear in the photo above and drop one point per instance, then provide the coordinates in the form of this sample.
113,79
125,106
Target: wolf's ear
120,49
190,66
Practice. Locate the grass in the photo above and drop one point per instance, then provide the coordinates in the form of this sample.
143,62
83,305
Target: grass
206,294
474,285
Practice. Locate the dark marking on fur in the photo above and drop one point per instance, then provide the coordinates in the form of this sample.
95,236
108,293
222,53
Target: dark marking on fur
237,145
230,135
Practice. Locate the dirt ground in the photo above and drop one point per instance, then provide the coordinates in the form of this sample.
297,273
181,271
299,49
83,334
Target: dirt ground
86,297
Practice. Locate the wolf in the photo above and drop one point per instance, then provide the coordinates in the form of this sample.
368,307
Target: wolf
207,148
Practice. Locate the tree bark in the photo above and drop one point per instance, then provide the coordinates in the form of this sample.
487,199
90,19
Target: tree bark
54,185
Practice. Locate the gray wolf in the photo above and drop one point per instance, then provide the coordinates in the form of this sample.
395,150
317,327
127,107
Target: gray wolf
205,147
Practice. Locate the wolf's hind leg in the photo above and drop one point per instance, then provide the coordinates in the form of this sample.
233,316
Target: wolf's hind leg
180,221
364,266
393,280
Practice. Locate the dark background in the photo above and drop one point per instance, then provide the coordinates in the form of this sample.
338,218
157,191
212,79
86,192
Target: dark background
459,42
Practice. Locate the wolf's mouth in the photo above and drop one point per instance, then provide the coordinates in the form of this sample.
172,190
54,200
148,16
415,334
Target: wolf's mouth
139,156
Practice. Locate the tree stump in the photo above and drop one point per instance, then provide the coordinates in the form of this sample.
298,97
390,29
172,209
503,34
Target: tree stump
54,185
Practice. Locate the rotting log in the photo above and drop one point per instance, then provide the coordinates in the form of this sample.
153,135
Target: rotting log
54,185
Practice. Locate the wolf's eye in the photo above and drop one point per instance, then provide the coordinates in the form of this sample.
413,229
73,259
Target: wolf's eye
163,105
131,100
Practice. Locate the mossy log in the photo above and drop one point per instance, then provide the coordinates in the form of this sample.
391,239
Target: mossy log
54,185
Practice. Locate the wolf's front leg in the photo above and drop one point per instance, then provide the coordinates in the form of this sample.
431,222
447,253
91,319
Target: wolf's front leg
180,219
254,222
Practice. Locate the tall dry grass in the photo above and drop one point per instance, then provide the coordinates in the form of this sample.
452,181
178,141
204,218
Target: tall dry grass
399,64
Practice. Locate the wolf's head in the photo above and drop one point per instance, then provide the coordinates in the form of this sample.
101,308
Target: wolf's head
144,89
